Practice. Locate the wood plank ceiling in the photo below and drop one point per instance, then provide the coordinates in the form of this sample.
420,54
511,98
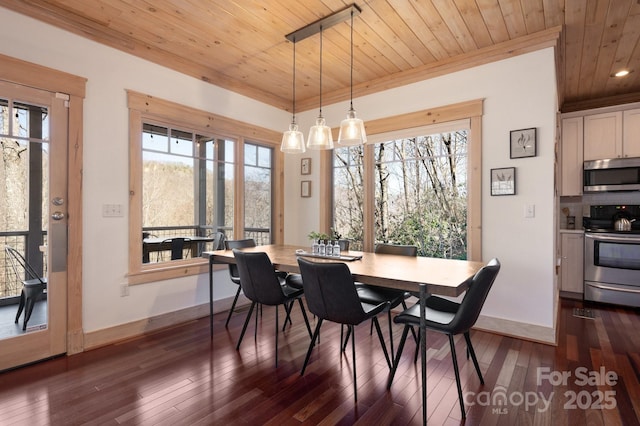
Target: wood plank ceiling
240,44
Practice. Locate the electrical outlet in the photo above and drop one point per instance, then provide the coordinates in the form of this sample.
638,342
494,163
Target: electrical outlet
124,290
530,211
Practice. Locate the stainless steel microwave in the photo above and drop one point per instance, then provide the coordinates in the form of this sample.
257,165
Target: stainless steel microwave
617,174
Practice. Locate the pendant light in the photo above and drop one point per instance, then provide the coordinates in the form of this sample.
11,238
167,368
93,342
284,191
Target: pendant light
292,140
352,129
320,136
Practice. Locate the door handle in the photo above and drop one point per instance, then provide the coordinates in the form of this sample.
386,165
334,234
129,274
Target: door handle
57,216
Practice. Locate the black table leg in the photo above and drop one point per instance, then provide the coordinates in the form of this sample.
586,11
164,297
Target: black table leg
423,349
211,296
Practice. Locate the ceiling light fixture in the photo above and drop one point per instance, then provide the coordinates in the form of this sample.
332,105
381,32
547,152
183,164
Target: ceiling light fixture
293,140
621,73
352,129
320,136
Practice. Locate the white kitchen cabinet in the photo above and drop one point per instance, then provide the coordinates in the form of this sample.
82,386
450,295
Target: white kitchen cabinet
572,263
571,156
603,136
631,133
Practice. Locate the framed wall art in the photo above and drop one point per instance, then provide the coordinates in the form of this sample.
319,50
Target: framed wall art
503,181
305,189
305,166
523,143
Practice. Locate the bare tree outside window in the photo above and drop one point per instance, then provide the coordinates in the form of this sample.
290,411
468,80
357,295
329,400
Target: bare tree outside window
420,193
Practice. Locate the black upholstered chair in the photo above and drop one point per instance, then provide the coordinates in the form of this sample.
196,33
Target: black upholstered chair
451,318
375,295
331,295
33,285
234,275
261,284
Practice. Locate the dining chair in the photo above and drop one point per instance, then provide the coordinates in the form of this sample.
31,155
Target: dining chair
261,284
33,285
375,295
177,247
451,318
331,295
234,275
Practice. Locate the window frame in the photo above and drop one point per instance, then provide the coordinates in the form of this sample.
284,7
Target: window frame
378,130
147,108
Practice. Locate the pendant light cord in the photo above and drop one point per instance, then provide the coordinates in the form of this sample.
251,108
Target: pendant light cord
320,70
351,96
294,80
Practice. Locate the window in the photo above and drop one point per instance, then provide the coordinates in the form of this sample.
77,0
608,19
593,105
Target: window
421,193
187,184
414,184
187,188
258,185
348,194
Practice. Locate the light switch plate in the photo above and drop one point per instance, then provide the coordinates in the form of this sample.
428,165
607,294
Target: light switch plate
530,211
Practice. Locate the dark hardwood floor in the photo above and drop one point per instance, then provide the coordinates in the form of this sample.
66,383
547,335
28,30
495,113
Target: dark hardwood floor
180,377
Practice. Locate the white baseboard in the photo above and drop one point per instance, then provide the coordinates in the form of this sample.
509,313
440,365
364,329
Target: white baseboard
520,330
133,329
106,336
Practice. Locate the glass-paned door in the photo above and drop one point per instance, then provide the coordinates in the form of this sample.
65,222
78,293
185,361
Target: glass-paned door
33,224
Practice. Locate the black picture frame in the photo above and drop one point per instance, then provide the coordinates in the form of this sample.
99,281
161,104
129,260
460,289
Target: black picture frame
305,166
503,181
523,143
305,188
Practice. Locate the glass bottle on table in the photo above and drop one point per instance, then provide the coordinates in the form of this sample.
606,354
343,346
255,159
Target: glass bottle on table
336,249
321,248
329,248
314,246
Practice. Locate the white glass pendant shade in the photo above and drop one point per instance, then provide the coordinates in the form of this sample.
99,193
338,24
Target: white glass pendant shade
320,136
292,140
352,130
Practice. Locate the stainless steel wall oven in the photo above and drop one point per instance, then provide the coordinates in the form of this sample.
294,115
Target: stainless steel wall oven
612,258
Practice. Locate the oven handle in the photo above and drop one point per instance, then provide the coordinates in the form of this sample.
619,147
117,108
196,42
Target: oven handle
606,287
600,237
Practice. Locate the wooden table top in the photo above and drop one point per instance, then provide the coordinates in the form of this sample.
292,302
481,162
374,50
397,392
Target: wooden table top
442,276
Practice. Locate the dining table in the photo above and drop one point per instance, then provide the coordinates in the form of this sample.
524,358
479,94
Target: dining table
419,275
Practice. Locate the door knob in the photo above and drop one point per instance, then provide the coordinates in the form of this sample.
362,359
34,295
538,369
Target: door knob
57,216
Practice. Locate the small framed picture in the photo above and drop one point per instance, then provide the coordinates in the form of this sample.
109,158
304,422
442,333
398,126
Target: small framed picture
523,143
305,189
503,181
305,166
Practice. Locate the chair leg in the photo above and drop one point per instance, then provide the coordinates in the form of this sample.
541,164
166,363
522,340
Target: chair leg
353,354
457,372
21,305
311,345
246,321
471,352
396,361
384,346
277,335
304,315
390,333
28,309
346,339
233,306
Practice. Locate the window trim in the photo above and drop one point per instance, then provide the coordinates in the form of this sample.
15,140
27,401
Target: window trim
471,111
145,107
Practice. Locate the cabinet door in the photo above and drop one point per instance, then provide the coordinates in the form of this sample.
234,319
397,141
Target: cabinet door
571,154
572,273
631,133
603,136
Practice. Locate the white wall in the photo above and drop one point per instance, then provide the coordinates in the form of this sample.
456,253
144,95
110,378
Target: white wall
518,92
